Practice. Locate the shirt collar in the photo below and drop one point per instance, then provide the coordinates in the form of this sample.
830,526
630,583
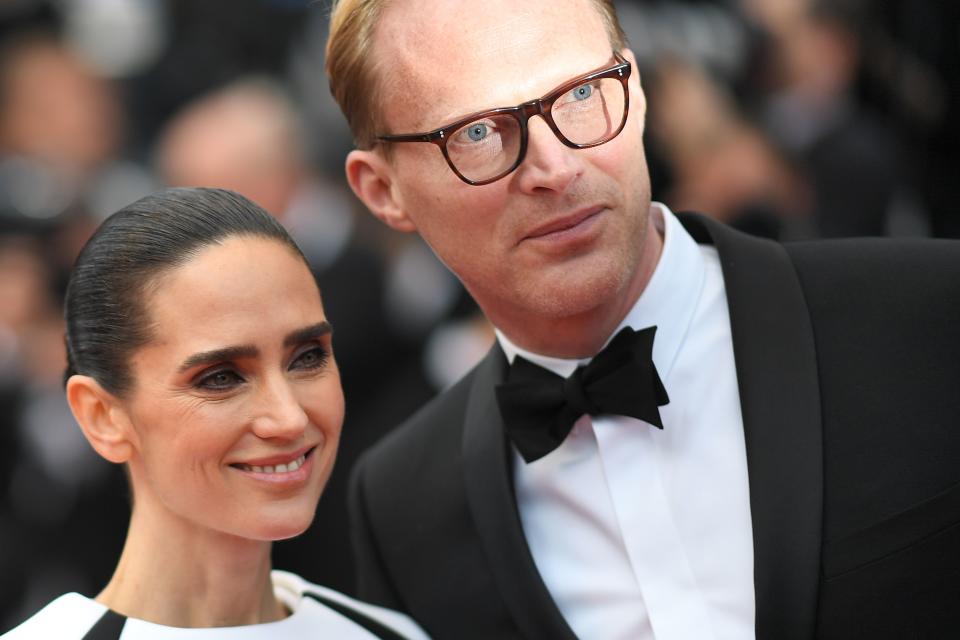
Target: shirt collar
668,301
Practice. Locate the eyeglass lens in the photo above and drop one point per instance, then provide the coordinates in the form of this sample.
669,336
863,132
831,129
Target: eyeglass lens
586,115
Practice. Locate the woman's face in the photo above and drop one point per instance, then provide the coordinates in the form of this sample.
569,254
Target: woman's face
236,406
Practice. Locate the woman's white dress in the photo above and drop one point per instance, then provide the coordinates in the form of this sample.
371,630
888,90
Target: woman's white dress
317,612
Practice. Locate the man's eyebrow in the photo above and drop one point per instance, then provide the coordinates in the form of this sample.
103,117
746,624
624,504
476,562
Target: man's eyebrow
219,355
307,334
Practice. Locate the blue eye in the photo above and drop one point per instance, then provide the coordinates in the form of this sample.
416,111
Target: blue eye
582,92
477,131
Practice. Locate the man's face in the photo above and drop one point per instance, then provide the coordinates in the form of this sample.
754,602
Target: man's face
564,233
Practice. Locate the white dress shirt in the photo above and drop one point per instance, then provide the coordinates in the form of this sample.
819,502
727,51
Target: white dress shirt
641,533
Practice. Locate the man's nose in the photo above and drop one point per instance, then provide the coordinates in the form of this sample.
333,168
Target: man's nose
279,412
549,165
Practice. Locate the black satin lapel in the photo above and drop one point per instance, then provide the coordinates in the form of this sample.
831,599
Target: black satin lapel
487,475
780,400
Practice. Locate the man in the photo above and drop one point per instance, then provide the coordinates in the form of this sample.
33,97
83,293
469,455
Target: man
805,479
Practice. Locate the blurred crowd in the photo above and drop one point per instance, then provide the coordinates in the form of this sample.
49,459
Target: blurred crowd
792,119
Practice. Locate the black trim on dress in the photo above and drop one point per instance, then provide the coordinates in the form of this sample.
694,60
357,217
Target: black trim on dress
375,627
108,627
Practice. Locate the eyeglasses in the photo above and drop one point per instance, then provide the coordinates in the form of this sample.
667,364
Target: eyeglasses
584,112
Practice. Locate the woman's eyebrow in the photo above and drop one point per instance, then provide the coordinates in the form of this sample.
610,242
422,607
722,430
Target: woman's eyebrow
307,334
219,355
299,336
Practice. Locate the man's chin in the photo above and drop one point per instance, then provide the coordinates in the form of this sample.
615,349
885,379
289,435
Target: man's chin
574,290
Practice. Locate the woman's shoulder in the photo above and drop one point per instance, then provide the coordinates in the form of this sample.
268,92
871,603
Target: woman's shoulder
295,592
69,616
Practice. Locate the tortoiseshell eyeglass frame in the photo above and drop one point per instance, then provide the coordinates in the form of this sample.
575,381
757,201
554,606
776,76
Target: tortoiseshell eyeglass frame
522,113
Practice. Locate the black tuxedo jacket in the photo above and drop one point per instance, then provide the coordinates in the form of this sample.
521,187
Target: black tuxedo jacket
848,364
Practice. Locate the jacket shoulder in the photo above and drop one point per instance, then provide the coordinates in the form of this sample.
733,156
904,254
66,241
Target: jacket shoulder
874,298
884,316
878,264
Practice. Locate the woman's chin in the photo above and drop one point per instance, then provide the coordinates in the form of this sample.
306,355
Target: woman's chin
291,532
283,528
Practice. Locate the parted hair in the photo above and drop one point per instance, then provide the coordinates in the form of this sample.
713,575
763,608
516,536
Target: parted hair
116,271
351,66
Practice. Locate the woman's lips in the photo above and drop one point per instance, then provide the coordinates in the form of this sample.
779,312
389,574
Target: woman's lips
282,464
269,468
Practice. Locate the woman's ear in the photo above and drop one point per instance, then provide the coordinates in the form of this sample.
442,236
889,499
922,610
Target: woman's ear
102,419
371,178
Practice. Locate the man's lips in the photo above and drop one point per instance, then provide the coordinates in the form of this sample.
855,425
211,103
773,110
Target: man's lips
563,223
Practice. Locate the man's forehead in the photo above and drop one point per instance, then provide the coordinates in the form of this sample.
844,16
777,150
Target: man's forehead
470,55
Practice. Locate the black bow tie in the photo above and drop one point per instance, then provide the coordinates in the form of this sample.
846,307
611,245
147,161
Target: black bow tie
539,407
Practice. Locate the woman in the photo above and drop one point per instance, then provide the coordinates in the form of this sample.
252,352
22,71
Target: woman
200,358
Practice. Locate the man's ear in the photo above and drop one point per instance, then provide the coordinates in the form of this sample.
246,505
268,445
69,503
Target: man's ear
371,178
102,419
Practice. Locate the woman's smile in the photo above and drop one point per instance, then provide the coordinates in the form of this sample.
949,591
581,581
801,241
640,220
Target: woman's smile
284,469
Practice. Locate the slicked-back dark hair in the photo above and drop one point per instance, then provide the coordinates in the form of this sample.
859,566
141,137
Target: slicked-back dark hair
105,308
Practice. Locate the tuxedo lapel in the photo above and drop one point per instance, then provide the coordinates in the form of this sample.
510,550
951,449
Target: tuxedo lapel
779,396
487,477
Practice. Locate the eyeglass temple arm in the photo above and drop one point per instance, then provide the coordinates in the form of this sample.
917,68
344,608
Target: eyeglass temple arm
433,136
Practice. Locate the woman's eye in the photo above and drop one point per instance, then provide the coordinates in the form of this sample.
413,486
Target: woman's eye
311,359
220,381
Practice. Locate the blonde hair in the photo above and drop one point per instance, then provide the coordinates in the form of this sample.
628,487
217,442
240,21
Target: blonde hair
351,65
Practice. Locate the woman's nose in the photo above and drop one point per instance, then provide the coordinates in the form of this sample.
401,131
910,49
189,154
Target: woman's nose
278,413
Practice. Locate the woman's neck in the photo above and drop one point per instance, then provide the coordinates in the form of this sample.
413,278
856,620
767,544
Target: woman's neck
175,574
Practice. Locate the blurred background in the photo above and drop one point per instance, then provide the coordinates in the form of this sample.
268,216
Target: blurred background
791,119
